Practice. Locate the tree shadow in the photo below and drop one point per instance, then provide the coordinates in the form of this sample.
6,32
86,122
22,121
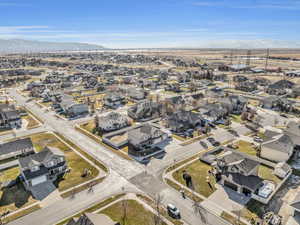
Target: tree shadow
16,195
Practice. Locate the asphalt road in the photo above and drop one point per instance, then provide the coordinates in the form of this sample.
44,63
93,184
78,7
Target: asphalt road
123,174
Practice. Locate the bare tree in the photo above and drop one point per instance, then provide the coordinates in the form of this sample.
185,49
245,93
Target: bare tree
158,201
200,211
124,208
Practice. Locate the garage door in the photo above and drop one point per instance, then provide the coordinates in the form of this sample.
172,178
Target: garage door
38,180
230,185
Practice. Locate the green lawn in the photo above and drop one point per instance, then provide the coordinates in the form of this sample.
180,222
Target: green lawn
246,147
74,161
136,214
15,197
266,173
198,171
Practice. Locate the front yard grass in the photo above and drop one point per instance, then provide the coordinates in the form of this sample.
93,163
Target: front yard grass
15,197
32,123
198,171
266,173
76,163
246,147
136,214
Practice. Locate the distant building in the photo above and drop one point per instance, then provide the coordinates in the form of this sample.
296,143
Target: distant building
71,108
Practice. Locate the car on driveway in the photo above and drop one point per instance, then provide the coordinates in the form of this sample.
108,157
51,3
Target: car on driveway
173,211
203,144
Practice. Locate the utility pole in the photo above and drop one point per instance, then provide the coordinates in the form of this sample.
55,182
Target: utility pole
231,56
267,60
248,58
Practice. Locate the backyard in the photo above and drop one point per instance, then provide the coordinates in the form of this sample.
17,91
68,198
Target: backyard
198,171
76,163
15,197
246,147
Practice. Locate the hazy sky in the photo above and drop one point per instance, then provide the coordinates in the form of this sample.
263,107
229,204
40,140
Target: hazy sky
154,23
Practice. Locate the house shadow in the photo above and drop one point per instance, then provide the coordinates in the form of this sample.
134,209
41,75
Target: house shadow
59,179
236,197
16,195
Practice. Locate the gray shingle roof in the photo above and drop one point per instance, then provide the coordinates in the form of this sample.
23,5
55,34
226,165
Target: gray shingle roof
15,146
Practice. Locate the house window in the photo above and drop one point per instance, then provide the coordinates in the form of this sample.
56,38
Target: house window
51,163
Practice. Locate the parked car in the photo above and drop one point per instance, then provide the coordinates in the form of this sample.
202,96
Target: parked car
173,211
203,144
284,115
258,139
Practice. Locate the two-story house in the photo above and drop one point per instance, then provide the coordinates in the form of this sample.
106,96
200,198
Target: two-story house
114,100
40,170
112,121
9,117
145,140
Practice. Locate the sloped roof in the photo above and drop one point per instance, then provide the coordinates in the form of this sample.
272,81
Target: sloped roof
15,146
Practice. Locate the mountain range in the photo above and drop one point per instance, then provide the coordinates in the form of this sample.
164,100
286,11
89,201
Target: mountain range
28,46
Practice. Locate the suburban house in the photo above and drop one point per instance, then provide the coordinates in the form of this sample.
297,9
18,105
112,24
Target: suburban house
92,219
238,172
278,149
246,86
9,117
296,204
40,170
241,173
145,141
213,112
112,121
181,121
137,94
277,103
17,148
143,111
293,131
114,100
72,108
280,87
234,104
